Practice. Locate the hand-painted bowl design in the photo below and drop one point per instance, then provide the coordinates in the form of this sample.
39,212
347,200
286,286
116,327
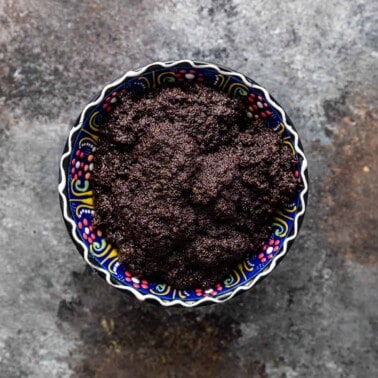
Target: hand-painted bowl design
76,195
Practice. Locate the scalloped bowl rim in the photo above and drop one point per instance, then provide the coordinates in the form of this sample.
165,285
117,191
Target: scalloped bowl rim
176,302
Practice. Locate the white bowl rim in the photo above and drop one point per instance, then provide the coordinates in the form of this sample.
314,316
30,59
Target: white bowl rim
177,302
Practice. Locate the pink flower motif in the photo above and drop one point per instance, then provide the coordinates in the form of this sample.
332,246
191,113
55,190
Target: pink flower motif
258,107
135,281
87,230
199,292
79,167
208,292
110,100
189,75
269,248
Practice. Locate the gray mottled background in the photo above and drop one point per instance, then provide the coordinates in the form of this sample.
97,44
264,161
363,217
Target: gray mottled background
316,315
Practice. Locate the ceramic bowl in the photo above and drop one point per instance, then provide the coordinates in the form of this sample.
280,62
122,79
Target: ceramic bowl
76,196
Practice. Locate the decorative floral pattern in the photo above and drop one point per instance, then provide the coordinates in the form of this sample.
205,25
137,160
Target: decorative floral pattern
268,250
209,292
135,281
189,75
77,195
111,100
79,168
258,107
87,231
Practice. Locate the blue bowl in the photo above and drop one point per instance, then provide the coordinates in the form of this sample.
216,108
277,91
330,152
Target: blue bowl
76,196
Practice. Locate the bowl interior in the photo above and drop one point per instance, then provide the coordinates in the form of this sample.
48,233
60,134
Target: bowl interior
79,167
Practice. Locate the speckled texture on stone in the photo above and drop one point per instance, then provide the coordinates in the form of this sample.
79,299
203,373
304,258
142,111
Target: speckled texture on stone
316,315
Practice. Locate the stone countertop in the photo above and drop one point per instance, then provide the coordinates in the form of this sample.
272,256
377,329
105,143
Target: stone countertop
316,315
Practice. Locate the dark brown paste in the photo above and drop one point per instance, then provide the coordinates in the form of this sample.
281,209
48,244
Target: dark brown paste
186,185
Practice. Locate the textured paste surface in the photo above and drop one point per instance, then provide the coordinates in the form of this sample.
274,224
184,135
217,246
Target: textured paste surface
186,185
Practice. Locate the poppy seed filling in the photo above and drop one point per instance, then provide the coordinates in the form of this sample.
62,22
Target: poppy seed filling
186,185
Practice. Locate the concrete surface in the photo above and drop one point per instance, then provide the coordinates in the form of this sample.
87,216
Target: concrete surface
316,315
